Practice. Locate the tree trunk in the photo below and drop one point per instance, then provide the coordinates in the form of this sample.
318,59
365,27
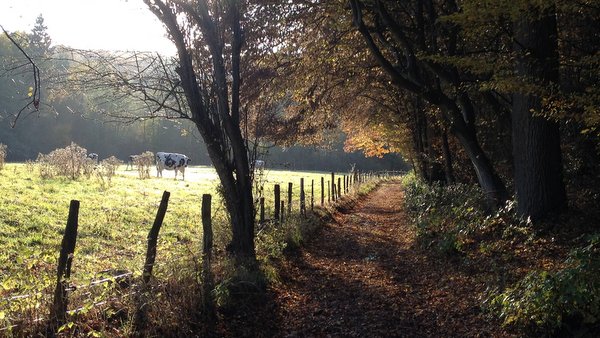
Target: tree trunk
419,140
462,125
487,177
536,141
237,196
215,112
447,158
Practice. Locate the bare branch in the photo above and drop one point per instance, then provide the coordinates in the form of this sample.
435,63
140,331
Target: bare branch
35,97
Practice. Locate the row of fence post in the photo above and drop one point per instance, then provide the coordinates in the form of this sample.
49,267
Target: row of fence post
58,313
333,192
59,310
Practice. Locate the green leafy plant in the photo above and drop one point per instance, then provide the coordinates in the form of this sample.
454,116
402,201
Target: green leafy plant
444,216
565,301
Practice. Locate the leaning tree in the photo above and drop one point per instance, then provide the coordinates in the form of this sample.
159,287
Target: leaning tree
209,40
201,84
219,44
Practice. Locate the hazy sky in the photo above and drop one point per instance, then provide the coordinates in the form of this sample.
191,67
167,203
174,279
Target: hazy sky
90,24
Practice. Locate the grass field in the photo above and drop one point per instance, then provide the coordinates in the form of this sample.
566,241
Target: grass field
114,221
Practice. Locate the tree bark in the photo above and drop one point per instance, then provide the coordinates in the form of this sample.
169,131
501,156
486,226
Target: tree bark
215,116
447,158
488,179
419,141
536,141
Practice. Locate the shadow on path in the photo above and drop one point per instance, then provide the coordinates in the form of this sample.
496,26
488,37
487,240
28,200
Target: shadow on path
363,276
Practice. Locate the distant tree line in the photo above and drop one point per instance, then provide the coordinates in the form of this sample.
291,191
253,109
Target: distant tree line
67,116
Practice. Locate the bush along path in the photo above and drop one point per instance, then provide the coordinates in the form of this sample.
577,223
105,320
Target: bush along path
363,275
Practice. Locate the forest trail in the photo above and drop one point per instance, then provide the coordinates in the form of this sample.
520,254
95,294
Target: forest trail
363,275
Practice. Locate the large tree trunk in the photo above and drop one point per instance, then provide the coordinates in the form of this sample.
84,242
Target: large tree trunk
215,112
447,158
536,141
488,179
237,195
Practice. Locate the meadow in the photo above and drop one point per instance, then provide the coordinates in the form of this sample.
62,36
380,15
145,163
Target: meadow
114,220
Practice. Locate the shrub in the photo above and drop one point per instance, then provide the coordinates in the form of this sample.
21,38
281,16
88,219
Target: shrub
45,167
70,161
143,162
444,215
565,302
106,170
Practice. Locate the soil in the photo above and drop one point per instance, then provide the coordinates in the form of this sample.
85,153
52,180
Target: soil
364,275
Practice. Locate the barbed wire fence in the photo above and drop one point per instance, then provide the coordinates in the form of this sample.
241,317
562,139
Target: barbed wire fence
139,288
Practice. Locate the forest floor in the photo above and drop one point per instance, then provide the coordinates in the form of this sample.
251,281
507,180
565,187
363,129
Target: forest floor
364,275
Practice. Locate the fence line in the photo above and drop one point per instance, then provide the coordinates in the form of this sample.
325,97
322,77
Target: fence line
59,311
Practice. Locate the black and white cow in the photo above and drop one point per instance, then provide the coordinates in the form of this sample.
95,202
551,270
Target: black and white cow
171,161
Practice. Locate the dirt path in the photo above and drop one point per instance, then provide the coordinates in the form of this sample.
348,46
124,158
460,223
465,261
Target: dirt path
363,276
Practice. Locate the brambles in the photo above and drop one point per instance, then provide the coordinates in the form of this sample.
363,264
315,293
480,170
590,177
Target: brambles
143,162
445,216
71,162
534,290
106,170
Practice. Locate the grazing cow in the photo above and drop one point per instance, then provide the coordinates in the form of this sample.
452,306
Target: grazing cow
131,161
171,161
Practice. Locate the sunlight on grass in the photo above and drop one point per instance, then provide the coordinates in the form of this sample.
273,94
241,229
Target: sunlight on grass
113,222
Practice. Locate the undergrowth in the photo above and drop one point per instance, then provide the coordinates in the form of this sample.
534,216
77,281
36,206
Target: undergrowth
537,290
565,302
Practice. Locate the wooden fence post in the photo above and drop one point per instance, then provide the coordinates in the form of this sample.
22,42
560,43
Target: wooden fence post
289,211
58,313
346,184
153,236
302,197
322,190
262,210
312,194
207,233
207,276
277,204
139,322
328,192
339,187
333,195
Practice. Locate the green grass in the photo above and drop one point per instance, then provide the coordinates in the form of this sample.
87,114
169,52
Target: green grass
113,221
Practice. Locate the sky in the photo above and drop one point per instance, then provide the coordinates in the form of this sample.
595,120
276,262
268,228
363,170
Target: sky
90,24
